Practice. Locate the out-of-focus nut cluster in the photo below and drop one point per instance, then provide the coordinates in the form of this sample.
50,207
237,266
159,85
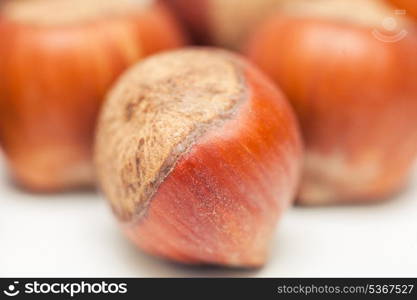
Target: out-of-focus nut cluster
199,150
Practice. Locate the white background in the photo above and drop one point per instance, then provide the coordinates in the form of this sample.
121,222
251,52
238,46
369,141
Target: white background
76,235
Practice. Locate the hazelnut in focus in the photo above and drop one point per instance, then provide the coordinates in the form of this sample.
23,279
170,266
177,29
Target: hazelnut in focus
199,155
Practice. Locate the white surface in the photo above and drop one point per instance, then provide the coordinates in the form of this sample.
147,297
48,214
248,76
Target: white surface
76,235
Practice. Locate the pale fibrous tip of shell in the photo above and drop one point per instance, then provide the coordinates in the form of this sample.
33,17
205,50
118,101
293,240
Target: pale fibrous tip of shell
155,114
67,12
369,13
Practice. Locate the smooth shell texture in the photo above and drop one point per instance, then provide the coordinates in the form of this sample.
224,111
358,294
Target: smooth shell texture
355,95
53,80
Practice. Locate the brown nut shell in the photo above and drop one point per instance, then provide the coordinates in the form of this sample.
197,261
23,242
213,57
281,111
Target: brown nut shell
58,58
199,155
353,85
